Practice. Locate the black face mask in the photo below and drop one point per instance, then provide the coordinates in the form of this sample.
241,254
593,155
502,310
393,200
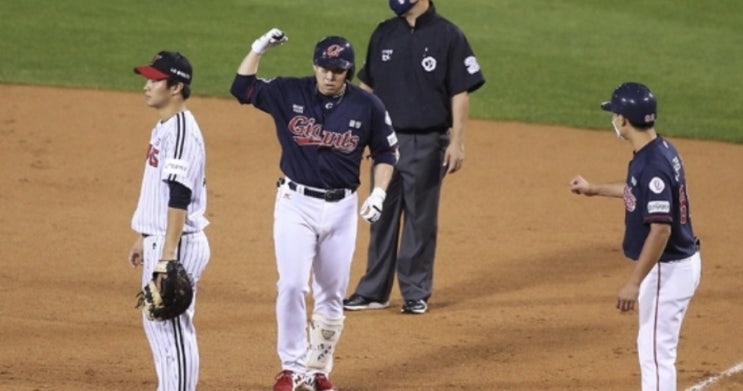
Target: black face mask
400,7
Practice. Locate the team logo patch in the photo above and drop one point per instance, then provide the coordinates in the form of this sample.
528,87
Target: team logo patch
387,54
659,207
387,119
656,185
472,65
428,63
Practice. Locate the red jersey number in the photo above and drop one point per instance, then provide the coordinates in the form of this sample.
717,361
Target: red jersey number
683,207
152,156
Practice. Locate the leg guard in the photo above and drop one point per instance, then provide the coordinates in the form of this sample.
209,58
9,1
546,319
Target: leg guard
324,335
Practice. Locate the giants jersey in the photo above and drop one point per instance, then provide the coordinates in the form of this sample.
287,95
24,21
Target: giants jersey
322,138
656,193
176,153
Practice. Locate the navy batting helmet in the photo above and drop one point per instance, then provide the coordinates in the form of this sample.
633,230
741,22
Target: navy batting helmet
635,102
335,52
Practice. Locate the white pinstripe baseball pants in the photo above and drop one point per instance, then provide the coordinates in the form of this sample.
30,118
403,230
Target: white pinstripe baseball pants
173,342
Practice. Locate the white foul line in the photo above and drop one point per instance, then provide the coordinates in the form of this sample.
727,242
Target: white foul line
714,379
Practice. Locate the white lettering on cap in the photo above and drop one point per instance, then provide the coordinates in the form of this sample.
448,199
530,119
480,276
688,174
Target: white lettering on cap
180,73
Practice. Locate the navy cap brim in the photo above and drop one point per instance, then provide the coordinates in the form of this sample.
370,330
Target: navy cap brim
606,106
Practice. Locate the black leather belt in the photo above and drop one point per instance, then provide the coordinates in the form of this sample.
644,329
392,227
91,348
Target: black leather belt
330,195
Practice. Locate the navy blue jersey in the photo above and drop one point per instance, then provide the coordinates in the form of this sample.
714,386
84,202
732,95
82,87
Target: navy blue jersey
656,193
416,71
322,138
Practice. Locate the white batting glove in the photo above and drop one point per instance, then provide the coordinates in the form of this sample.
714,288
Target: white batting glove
372,208
273,37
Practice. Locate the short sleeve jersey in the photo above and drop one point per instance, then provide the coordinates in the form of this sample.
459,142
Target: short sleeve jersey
416,71
176,153
656,192
323,138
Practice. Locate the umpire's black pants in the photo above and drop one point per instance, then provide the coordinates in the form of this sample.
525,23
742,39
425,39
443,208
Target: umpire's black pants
414,193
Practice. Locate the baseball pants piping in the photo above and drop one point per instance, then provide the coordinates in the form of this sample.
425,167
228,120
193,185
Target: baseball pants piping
665,294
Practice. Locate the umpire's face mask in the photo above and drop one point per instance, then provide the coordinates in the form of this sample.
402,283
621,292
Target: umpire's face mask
400,7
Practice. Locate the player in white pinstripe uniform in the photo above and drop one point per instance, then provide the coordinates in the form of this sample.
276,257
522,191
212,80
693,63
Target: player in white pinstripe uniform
170,213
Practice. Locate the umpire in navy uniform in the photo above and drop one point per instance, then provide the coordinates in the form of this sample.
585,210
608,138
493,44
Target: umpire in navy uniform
423,69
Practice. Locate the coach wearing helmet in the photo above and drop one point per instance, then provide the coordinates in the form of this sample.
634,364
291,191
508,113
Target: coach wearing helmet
423,69
323,124
658,234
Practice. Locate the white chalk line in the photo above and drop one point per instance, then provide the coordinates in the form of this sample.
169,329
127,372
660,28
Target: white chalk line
714,379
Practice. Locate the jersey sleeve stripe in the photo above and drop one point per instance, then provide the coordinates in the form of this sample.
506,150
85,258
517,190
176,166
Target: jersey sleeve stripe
180,139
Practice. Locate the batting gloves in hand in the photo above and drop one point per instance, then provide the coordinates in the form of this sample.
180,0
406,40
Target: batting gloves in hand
372,208
273,37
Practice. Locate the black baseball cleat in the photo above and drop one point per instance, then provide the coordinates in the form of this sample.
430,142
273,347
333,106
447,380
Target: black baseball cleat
357,303
414,307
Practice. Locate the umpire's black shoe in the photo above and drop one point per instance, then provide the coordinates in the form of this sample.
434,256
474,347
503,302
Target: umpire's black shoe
357,303
414,307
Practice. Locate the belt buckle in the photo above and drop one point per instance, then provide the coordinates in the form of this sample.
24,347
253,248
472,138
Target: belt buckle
334,195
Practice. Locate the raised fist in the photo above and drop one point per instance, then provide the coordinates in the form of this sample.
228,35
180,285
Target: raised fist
273,37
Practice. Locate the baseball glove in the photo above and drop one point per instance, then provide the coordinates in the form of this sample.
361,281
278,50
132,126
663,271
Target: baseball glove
168,294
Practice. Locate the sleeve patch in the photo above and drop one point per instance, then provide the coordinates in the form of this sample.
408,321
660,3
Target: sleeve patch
659,207
656,185
472,65
387,119
392,139
178,167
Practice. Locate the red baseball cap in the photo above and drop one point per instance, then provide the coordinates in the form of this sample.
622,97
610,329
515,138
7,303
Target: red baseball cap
165,65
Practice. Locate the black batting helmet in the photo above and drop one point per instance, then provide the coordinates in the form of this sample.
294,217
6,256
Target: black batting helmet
335,52
635,102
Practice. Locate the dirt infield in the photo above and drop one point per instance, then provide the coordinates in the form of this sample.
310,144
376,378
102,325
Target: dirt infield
525,279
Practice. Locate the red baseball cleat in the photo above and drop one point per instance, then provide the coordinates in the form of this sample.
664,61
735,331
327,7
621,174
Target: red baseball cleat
286,381
320,382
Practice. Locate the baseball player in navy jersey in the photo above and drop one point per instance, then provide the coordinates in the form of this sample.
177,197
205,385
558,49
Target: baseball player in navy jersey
658,233
323,124
169,218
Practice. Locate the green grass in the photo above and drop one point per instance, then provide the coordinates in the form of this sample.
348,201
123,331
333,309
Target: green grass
545,61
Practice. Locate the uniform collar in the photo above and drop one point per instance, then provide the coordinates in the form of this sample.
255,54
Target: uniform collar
647,146
427,16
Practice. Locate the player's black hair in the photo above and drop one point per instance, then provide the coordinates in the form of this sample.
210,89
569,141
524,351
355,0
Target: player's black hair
186,91
642,126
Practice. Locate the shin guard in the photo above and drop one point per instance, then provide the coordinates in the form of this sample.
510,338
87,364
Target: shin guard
324,335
